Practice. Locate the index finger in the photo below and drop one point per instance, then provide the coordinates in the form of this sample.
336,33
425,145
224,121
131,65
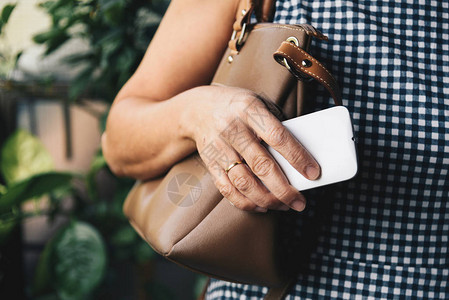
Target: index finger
271,130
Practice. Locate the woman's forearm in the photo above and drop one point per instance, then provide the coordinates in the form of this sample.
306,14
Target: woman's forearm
144,138
145,134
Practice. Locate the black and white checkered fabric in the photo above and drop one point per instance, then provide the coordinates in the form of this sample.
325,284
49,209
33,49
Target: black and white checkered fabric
384,234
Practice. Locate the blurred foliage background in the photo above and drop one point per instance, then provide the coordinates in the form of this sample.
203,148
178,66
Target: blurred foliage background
117,31
87,256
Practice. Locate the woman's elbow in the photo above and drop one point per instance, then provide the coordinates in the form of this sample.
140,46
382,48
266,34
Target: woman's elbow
120,165
112,158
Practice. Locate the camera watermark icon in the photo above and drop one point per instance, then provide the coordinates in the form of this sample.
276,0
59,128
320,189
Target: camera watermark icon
184,189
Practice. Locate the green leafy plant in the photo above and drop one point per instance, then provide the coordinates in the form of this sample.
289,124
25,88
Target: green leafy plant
7,59
5,14
97,238
74,262
27,169
24,155
117,32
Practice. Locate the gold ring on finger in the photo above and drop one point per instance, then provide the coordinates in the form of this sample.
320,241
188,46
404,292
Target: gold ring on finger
233,165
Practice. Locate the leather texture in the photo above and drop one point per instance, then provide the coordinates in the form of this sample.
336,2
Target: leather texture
255,69
184,217
210,235
301,63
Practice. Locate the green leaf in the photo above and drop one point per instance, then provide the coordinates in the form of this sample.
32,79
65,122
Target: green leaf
98,163
199,285
42,276
103,121
43,37
72,263
124,236
111,46
17,57
6,12
79,58
2,189
126,60
32,187
23,155
53,7
54,38
80,83
46,4
78,260
113,10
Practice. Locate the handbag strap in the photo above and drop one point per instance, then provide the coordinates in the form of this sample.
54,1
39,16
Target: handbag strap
264,10
302,65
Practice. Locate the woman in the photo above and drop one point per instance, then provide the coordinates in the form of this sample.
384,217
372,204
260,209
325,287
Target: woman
381,235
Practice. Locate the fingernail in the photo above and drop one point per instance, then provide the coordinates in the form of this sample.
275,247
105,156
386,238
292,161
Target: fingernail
312,172
299,204
260,209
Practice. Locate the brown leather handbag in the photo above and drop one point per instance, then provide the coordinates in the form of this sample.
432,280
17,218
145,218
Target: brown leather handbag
182,215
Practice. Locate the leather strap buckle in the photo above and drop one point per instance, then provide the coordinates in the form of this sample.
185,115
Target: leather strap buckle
301,64
239,42
299,76
284,62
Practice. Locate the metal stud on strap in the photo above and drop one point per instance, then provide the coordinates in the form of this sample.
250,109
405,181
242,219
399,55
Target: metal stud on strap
292,40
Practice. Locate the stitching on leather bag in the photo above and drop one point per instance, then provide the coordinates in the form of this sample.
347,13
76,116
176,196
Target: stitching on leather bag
306,71
291,27
311,57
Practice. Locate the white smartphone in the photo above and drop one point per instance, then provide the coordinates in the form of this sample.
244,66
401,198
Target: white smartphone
329,138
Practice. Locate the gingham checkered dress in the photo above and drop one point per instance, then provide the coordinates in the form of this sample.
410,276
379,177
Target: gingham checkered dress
384,234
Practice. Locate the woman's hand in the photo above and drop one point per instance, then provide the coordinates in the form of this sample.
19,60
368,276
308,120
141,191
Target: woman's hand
228,125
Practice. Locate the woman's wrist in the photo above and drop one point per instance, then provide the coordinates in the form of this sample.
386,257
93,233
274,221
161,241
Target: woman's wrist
192,103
